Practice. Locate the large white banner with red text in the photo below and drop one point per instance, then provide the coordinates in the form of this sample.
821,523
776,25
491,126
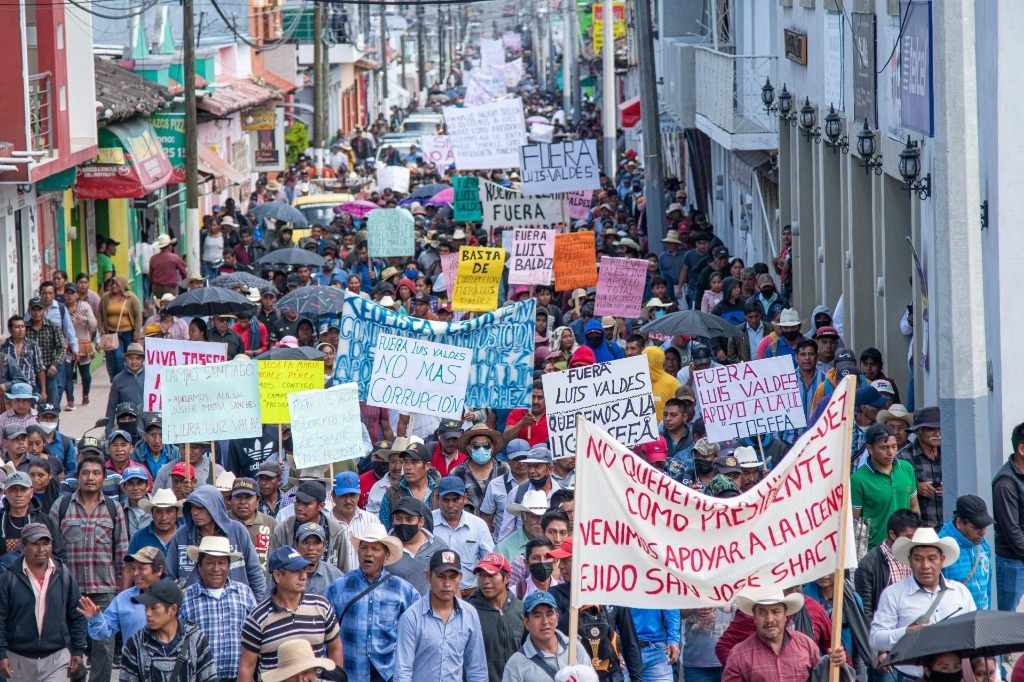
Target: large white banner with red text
642,539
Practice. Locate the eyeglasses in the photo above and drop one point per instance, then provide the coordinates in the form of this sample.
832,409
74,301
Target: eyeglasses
481,446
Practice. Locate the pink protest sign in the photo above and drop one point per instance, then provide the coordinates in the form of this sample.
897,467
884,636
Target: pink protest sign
450,266
620,287
579,204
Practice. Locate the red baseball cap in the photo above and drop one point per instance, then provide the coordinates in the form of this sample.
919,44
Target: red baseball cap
493,564
180,470
826,331
564,551
655,451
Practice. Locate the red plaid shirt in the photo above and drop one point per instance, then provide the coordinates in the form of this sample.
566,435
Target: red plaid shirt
96,544
754,660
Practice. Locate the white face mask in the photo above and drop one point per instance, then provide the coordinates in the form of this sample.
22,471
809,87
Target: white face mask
48,427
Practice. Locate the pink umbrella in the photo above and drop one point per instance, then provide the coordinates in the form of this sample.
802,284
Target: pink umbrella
445,196
358,209
537,119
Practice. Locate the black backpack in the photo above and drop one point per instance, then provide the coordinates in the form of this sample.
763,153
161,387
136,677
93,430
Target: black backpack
65,503
597,631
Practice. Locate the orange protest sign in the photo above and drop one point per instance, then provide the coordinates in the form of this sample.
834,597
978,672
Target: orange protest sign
575,263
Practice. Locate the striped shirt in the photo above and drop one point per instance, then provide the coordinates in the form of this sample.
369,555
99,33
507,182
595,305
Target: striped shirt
268,625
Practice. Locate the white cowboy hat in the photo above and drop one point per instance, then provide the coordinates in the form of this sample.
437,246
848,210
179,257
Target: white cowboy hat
674,207
254,295
458,234
388,302
214,545
163,241
628,243
228,220
163,498
226,479
793,602
375,532
789,318
747,457
534,502
895,411
926,537
293,657
655,303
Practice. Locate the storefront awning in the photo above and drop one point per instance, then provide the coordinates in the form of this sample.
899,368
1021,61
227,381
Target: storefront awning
130,163
223,174
629,112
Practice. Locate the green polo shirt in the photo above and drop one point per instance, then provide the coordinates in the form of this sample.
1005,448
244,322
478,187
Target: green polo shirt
878,495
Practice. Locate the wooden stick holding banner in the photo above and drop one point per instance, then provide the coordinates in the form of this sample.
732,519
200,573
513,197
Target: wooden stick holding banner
574,607
838,581
561,205
213,460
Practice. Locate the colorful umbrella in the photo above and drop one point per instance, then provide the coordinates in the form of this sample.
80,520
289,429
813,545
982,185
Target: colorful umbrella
443,197
357,209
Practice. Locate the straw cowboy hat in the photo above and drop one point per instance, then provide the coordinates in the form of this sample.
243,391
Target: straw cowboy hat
163,241
926,537
162,498
376,532
228,221
497,441
671,237
534,502
793,602
895,411
214,545
293,657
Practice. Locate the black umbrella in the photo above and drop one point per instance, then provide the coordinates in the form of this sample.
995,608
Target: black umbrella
300,353
979,633
246,278
209,301
427,191
692,323
312,300
276,210
291,256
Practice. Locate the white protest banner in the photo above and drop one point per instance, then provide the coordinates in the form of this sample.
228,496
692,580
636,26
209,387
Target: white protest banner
750,398
390,232
507,208
162,353
211,402
620,287
491,81
533,251
559,167
492,52
413,375
579,204
645,540
437,151
393,177
512,72
326,425
616,395
487,136
475,94
513,42
542,132
500,345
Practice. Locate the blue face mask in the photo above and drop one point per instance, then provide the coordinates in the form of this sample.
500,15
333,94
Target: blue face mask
412,274
481,456
660,312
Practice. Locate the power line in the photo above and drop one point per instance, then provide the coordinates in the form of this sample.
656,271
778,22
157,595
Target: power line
141,10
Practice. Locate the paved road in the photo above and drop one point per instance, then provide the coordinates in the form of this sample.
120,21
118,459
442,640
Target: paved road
74,424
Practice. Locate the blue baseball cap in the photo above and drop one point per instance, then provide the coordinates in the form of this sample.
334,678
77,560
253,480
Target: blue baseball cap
346,483
134,473
539,598
451,485
286,559
119,433
869,395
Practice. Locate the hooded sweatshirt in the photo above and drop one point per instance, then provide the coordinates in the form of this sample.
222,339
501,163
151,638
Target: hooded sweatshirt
605,349
582,356
730,312
663,384
181,568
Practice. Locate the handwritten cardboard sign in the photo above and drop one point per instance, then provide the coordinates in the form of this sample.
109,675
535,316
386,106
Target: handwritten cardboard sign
467,198
437,151
559,167
512,41
479,275
507,208
762,396
533,252
278,378
487,136
450,268
500,343
413,375
211,402
325,425
646,541
616,395
579,204
390,232
162,353
575,262
620,287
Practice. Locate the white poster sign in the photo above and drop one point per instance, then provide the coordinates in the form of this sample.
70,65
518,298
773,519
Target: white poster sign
488,136
559,167
533,251
326,425
211,402
413,375
162,353
437,151
750,398
615,395
393,177
645,540
507,208
492,52
542,132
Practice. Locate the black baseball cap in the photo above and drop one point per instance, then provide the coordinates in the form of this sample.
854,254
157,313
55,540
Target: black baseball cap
36,302
421,297
972,509
161,592
877,432
126,408
50,409
444,560
311,491
417,451
721,252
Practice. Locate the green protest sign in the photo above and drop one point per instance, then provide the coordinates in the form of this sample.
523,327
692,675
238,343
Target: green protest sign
467,199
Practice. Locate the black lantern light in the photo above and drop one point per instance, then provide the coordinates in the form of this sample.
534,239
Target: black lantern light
866,149
910,170
768,97
833,130
786,106
807,120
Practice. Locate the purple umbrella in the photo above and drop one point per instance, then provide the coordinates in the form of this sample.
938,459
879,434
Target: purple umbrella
446,196
358,209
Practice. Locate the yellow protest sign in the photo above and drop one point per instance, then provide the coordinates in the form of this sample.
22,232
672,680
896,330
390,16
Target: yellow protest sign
278,378
477,279
618,24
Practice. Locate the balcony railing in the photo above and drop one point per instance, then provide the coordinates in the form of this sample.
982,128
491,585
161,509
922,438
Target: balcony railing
40,112
728,89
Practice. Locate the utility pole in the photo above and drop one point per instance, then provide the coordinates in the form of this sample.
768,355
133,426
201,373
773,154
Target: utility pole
567,62
608,88
384,58
191,138
440,44
421,61
318,76
577,89
654,208
404,82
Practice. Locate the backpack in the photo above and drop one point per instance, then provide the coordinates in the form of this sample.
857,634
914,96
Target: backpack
599,637
65,503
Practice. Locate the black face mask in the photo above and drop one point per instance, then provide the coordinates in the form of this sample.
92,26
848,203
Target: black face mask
380,469
542,571
791,335
405,531
703,467
936,676
540,482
